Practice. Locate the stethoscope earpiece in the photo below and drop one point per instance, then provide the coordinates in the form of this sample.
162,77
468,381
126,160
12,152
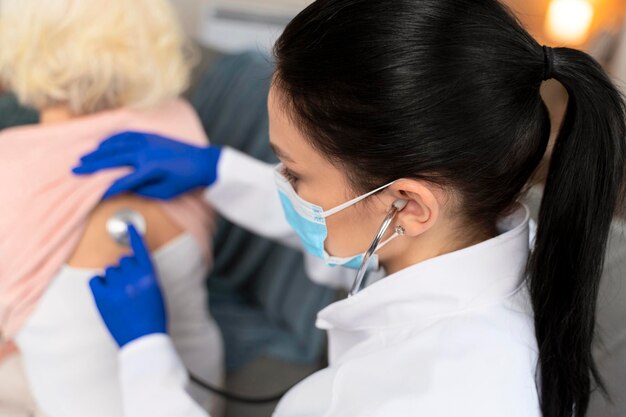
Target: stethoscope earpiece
400,204
396,207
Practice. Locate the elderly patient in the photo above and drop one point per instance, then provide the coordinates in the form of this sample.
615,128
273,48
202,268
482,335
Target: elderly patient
92,68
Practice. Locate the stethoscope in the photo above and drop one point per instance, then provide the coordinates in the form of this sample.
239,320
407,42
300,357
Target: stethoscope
397,207
117,228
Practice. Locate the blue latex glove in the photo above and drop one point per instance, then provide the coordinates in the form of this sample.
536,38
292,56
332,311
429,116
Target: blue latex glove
128,296
163,168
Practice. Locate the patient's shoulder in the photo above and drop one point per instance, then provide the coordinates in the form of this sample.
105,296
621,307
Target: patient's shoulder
96,249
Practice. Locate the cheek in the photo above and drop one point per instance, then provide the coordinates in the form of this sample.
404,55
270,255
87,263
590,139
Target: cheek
320,194
340,240
310,194
349,233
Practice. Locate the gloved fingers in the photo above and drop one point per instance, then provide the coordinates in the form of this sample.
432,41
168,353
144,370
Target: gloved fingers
110,273
107,162
116,276
156,190
128,264
139,248
141,140
98,288
121,144
97,283
130,182
106,153
116,143
128,138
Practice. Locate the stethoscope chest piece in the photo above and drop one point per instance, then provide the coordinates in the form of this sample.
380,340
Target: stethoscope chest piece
117,225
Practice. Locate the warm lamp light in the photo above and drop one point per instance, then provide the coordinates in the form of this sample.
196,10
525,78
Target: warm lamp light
569,21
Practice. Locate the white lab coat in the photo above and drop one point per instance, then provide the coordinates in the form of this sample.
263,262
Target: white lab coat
452,336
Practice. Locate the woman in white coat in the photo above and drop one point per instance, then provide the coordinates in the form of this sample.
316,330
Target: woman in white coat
425,116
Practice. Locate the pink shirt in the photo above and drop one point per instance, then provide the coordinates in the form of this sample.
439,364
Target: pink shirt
45,207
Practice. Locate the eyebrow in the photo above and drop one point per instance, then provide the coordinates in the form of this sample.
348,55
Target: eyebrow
280,154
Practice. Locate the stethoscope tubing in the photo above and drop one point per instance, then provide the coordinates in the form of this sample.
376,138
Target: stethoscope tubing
128,216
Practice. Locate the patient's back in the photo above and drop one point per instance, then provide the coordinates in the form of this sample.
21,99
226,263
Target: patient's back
98,250
55,213
45,302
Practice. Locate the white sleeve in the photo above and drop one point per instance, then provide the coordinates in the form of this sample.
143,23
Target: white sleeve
245,193
153,380
69,356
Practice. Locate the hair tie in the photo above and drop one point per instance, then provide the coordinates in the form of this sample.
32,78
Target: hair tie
548,63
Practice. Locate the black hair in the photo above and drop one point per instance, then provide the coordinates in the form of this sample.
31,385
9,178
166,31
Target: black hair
448,91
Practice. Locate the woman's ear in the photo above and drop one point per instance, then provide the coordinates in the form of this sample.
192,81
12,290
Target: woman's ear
423,208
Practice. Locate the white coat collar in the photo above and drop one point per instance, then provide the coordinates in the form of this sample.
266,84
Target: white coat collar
475,276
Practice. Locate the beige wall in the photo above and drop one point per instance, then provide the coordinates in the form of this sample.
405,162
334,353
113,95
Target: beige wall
189,7
192,13
289,7
271,3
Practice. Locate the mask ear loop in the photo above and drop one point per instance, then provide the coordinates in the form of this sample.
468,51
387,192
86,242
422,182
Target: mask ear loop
352,202
397,207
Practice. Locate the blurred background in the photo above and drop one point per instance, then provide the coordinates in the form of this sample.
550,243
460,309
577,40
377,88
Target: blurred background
236,24
596,26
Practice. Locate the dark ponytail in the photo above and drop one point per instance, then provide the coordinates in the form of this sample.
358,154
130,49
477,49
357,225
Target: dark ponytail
448,91
581,193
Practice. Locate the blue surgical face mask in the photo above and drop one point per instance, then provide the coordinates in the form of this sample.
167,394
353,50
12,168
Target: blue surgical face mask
309,222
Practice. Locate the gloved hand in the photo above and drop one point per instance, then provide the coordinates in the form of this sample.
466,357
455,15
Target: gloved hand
128,296
164,168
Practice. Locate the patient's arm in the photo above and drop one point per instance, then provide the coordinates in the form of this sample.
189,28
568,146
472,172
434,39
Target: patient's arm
97,250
